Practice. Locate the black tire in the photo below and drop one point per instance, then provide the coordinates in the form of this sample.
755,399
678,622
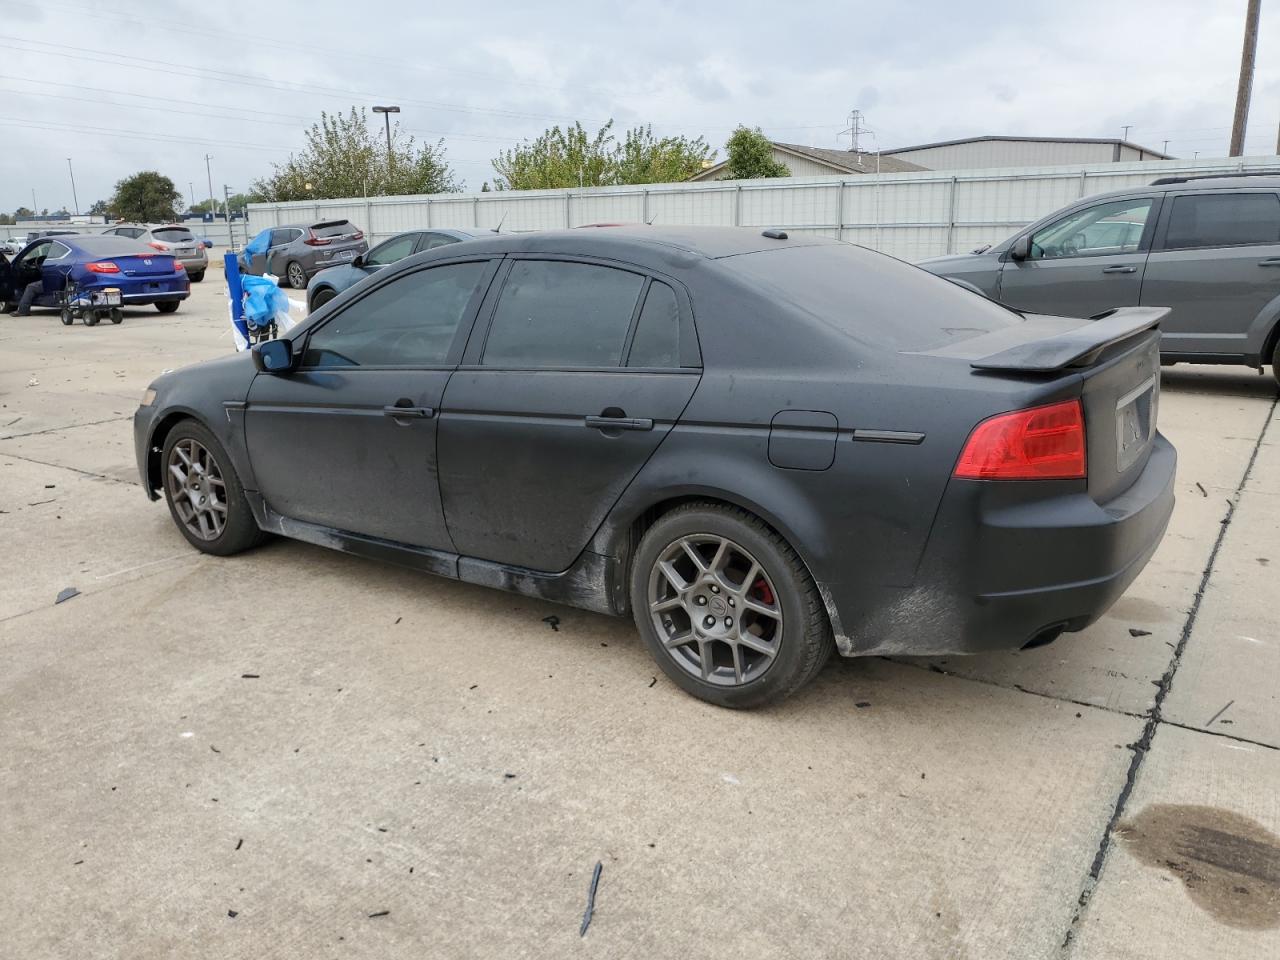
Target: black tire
117,315
322,297
806,641
66,316
1275,362
196,277
89,318
295,276
168,306
240,530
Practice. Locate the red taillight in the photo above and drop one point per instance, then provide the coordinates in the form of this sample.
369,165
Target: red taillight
1043,443
179,266
162,247
359,235
102,266
314,241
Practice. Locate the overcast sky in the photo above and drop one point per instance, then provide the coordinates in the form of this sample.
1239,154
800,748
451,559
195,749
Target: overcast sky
178,79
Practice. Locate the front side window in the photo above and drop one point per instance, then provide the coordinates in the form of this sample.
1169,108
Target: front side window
433,240
1223,220
410,321
57,251
397,248
1107,228
280,237
558,314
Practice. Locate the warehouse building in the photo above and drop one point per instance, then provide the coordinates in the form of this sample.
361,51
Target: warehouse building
976,153
822,162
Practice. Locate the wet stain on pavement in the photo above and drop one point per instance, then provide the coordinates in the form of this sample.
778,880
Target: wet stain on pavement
1138,609
1228,863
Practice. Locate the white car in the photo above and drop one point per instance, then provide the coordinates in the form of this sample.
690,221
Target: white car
11,247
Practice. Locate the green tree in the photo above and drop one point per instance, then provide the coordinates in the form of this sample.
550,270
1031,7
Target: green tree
574,158
145,197
99,209
642,158
344,158
24,212
6,220
751,156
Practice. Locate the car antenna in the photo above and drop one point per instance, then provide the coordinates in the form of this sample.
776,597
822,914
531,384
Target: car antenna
498,228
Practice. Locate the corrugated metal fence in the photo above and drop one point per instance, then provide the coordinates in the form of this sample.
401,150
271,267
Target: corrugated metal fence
908,215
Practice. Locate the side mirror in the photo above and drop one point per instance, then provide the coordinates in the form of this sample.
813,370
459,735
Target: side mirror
273,356
1021,248
358,261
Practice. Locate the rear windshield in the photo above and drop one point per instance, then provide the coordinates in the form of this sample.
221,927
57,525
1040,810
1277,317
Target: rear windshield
174,234
871,297
104,246
334,228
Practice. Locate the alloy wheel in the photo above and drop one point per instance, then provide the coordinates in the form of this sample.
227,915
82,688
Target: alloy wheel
715,610
297,277
196,489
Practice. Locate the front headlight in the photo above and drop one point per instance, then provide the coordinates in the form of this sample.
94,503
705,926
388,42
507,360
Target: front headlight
148,397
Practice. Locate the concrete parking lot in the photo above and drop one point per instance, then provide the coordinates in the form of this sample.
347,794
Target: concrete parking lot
297,753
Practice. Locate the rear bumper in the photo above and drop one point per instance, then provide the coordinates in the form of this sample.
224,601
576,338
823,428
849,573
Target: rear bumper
1007,565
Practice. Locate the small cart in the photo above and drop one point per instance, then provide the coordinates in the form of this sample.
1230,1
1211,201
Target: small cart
90,306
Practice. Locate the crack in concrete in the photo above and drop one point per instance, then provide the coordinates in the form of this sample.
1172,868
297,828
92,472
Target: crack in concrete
69,426
63,466
1219,733
1142,746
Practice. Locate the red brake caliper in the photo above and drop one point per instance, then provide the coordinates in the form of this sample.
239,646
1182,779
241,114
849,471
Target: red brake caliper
762,591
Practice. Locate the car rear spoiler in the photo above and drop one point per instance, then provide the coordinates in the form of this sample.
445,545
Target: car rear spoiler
1077,346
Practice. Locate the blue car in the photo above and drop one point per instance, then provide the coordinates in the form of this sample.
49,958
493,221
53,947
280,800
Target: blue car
86,263
330,282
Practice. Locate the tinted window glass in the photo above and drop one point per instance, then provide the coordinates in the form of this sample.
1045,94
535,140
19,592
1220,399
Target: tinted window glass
411,320
1223,220
1108,228
335,228
555,314
433,240
397,248
174,234
869,297
657,339
57,251
280,237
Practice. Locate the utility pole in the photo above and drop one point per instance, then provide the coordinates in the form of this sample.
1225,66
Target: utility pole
35,211
74,199
386,115
213,206
1165,148
1127,128
1245,89
192,187
855,130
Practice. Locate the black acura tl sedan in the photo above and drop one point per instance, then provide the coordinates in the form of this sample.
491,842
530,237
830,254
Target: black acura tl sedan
761,447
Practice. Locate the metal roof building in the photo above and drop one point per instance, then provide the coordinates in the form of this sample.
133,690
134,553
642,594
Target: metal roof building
822,162
973,153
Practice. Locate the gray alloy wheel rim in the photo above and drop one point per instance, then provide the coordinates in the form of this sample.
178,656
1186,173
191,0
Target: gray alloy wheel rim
715,610
296,276
196,489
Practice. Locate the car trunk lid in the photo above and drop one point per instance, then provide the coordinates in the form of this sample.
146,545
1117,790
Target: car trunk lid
139,265
1117,357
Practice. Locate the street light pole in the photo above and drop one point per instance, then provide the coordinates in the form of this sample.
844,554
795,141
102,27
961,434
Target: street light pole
386,115
74,199
213,206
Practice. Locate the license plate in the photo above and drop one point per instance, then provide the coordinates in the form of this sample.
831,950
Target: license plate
1136,422
107,298
186,251
346,255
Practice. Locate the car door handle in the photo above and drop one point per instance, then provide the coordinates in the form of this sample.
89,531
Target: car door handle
1120,269
619,423
408,413
1269,262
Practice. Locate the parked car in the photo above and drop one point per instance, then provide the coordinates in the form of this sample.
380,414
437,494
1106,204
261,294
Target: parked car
330,282
172,238
1208,247
13,246
297,253
761,448
89,262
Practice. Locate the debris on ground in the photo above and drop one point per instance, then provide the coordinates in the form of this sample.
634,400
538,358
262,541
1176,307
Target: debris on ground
862,703
65,594
33,382
652,681
508,776
1200,487
214,749
1220,713
249,676
1135,632
233,914
553,621
591,898
240,843
380,913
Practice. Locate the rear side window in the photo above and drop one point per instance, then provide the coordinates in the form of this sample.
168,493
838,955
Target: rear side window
1223,220
335,228
397,248
557,314
433,240
657,339
410,321
174,234
869,297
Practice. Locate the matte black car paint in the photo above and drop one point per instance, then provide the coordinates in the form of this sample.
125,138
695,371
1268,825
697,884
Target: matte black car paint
842,446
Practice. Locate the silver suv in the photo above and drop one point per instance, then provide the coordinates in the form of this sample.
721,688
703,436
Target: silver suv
297,253
171,238
1208,247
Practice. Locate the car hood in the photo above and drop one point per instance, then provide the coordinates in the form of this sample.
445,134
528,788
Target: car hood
938,264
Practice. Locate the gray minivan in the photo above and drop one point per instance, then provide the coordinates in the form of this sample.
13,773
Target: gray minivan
1208,247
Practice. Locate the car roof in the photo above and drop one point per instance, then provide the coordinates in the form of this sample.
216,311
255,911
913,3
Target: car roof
640,240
